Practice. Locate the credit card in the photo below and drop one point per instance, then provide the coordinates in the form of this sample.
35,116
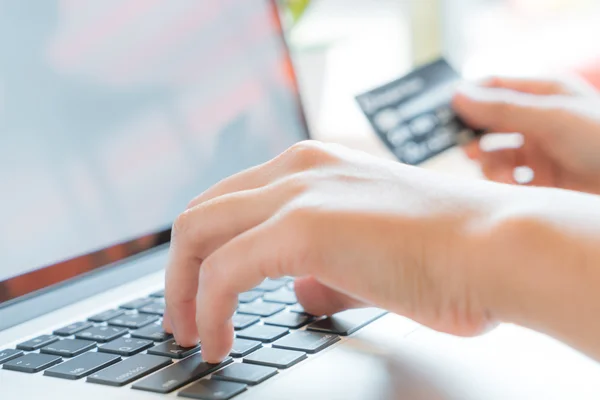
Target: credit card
413,115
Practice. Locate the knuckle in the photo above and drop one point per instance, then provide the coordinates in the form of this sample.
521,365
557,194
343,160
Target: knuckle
308,154
181,225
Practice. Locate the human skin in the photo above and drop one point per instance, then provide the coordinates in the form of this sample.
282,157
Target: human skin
455,255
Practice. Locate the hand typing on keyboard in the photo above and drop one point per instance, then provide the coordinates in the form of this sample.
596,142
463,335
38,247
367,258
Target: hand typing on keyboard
355,230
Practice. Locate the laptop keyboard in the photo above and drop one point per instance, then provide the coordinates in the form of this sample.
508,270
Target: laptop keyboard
128,345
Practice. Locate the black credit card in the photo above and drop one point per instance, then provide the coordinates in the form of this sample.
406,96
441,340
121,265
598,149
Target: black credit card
413,115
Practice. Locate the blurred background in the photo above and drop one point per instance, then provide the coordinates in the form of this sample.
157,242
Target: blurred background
342,48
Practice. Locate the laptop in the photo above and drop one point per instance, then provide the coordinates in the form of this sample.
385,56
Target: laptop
113,115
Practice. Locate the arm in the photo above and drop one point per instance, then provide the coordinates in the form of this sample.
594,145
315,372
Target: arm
455,255
546,266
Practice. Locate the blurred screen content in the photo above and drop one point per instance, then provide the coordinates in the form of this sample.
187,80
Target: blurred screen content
115,113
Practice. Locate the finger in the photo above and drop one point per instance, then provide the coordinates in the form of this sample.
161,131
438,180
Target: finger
318,299
236,267
472,149
541,87
167,326
502,110
290,161
197,233
499,165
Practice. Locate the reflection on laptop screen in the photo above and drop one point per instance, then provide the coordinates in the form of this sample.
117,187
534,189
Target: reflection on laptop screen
115,113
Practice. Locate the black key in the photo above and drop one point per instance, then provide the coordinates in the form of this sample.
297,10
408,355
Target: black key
179,374
9,354
155,308
283,296
241,321
249,297
84,365
262,333
213,390
126,346
106,315
289,320
347,322
308,342
101,333
137,303
153,332
73,328
32,363
129,370
270,285
243,347
158,293
277,358
260,309
68,347
37,343
245,373
171,349
133,321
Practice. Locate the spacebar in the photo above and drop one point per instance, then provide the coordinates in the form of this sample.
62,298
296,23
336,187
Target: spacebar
179,375
347,322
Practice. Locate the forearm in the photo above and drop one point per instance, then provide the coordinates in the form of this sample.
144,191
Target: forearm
544,266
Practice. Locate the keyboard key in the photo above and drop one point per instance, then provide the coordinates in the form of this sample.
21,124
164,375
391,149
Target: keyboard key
106,315
32,363
73,328
135,304
68,347
133,321
347,322
243,347
283,296
277,358
289,320
213,390
297,308
270,285
153,332
179,374
241,321
260,309
158,293
171,349
308,342
249,297
245,373
37,343
84,365
262,333
126,346
9,354
154,308
129,370
101,333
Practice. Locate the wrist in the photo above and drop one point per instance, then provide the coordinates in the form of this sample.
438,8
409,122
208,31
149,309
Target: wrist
543,264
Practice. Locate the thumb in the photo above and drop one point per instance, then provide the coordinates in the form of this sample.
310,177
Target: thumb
503,110
318,299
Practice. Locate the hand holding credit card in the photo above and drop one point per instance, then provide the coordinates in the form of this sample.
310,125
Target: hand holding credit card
413,115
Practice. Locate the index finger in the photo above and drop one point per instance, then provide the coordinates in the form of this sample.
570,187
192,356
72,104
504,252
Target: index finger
502,110
240,265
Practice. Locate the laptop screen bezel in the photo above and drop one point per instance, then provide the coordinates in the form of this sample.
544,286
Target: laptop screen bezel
112,256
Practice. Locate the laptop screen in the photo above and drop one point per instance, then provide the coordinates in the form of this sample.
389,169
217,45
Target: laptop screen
115,113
